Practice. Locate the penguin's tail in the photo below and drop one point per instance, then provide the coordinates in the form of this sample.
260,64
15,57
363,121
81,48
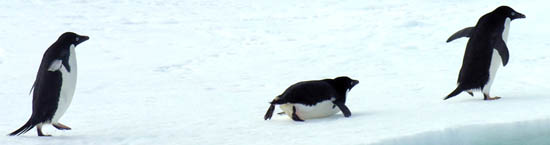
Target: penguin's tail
269,112
457,91
271,108
28,126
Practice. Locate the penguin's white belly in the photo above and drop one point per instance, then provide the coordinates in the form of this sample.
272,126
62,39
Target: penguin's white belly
496,60
319,110
67,87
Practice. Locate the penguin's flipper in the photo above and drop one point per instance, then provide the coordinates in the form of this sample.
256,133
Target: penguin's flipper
344,109
60,126
457,91
502,49
55,65
269,112
462,33
294,115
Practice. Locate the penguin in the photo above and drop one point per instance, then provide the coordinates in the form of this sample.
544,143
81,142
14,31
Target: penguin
54,85
314,99
485,52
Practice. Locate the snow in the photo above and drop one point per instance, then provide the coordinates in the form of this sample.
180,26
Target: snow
528,133
203,71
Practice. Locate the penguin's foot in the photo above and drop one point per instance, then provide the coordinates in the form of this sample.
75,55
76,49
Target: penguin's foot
45,135
471,93
487,97
281,113
39,131
61,126
492,98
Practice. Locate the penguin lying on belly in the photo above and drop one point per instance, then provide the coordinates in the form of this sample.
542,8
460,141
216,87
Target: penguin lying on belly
314,99
481,61
54,86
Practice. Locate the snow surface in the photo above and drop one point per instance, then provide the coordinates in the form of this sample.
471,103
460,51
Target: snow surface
519,133
202,71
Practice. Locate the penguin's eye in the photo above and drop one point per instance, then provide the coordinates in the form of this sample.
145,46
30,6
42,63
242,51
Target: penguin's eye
77,39
513,13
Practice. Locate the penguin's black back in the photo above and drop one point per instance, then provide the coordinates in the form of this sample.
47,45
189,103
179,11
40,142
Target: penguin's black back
309,92
479,51
313,92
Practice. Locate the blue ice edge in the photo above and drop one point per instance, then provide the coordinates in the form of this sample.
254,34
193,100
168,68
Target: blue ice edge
519,133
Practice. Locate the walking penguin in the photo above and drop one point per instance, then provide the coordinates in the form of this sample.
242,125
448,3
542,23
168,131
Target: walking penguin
55,84
481,61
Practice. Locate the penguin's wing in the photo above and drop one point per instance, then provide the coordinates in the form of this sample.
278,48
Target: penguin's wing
47,65
343,108
55,65
500,46
64,57
462,33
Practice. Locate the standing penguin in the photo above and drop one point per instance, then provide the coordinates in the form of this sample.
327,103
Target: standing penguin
481,61
55,83
314,99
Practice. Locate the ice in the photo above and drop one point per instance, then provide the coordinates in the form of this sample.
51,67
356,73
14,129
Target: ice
527,132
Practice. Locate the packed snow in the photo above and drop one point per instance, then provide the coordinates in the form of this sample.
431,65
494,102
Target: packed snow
518,133
203,71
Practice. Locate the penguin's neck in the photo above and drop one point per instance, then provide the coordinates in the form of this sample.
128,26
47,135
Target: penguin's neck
506,29
72,58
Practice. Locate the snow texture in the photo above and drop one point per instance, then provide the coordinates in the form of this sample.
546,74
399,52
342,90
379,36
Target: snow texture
522,133
201,72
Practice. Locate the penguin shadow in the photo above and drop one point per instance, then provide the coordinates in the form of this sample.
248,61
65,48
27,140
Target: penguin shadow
520,98
335,117
53,138
340,117
511,98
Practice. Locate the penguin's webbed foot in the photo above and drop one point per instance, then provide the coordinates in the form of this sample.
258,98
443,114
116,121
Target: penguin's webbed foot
39,131
61,126
471,93
492,98
281,113
45,135
488,98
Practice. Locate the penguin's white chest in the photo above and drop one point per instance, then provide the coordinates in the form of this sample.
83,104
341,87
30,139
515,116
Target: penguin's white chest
496,60
67,87
319,110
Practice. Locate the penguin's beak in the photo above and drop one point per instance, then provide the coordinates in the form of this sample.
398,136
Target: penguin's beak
82,39
519,16
354,82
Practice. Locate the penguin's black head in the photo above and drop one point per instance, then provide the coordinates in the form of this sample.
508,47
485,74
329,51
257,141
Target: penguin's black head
72,38
509,12
346,82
